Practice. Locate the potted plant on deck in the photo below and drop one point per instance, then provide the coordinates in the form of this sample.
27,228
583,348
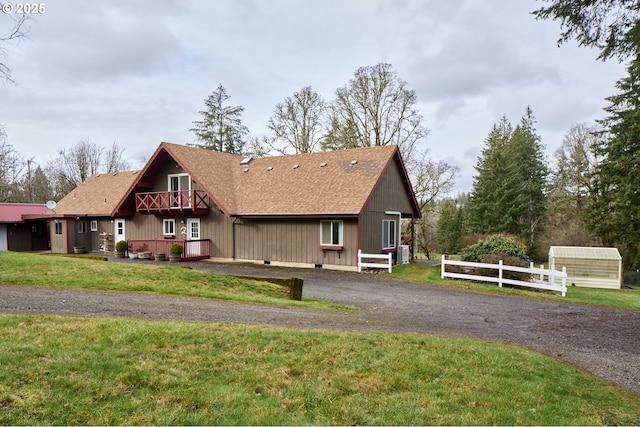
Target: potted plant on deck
121,248
175,252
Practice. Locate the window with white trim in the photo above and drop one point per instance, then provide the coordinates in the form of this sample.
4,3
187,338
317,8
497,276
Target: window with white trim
58,228
169,227
82,226
94,225
331,233
388,234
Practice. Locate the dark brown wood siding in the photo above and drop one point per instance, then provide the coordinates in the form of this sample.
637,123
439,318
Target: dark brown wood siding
389,195
293,241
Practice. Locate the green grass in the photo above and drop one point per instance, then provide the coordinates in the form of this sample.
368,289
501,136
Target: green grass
106,371
86,273
619,298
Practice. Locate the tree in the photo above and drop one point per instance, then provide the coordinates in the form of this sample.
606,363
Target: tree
484,213
298,121
84,159
450,226
12,167
613,26
615,213
572,188
40,187
112,160
221,127
528,177
18,31
509,191
431,181
375,108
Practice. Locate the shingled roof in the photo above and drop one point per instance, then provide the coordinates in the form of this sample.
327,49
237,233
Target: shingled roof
98,195
326,183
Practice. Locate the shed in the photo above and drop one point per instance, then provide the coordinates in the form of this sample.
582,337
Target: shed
592,267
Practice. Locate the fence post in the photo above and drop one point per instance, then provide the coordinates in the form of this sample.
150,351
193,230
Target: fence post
390,262
359,260
541,272
442,265
500,273
564,280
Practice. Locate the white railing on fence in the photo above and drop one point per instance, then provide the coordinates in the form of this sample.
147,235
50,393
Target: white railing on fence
387,264
538,282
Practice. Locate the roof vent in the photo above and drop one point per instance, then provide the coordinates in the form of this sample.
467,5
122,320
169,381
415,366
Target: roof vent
323,164
245,161
114,174
245,170
296,166
354,162
270,168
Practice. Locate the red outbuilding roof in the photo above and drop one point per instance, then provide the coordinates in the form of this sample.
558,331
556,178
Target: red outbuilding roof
13,212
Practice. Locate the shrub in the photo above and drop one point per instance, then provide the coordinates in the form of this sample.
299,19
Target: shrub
122,246
176,249
495,244
506,260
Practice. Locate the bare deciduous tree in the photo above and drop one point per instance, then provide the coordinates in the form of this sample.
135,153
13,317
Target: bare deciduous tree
17,31
12,167
297,121
375,108
86,158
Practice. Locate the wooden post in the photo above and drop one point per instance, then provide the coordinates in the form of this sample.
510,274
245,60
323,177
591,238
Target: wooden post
500,273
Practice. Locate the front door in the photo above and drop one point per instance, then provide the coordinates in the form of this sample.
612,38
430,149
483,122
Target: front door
118,230
193,233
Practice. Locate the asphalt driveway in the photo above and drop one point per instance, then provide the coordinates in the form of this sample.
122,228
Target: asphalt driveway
604,341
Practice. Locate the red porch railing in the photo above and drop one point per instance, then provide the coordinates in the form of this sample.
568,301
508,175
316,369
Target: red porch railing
193,249
194,201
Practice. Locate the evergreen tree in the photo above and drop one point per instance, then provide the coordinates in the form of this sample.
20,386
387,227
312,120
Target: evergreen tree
221,127
616,214
508,193
450,227
527,182
485,214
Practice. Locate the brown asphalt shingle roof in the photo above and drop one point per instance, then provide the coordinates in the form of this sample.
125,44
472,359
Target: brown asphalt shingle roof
326,183
305,184
98,195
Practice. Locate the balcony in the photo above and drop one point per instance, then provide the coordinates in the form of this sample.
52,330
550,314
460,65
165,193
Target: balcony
193,249
173,202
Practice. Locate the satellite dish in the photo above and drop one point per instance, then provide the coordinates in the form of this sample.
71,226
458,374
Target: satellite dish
51,205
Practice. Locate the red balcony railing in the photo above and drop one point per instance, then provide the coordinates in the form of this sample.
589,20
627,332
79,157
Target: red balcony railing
192,249
167,202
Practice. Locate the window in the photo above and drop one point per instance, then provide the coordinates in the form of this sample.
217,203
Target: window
169,227
94,225
58,228
179,185
82,226
388,234
331,233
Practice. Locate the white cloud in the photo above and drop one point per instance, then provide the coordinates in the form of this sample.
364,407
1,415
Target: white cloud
137,72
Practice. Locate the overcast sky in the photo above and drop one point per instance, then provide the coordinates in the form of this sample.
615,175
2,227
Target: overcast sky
137,72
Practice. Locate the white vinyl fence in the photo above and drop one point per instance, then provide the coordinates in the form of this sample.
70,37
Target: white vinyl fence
388,264
536,282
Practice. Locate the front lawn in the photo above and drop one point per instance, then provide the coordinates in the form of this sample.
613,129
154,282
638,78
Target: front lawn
114,371
143,276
